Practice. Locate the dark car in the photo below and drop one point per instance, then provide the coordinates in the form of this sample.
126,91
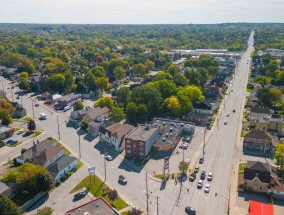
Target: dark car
122,179
36,105
234,111
80,195
192,176
190,210
201,160
11,142
203,175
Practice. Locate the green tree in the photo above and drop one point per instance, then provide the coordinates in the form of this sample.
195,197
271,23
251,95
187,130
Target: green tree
139,69
264,96
56,82
149,65
44,211
190,93
90,80
6,117
279,156
113,195
10,59
180,80
123,96
172,104
102,83
276,95
69,79
173,70
31,125
187,63
135,211
119,73
163,76
8,207
98,71
136,113
78,105
64,56
104,102
183,166
117,114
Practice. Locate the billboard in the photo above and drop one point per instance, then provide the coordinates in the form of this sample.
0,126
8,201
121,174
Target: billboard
166,163
91,170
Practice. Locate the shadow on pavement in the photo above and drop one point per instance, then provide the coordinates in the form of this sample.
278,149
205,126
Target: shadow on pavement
89,137
129,167
38,203
253,196
70,124
102,148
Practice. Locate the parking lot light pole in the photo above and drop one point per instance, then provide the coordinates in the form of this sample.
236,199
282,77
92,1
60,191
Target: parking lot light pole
204,140
79,146
58,130
33,108
105,163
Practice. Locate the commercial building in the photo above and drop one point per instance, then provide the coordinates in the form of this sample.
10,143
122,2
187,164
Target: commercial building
259,208
68,100
139,142
96,206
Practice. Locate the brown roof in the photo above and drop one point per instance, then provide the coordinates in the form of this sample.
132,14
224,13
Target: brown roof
47,155
123,130
257,165
258,135
96,112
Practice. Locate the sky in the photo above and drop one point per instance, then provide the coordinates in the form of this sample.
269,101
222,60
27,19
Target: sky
140,11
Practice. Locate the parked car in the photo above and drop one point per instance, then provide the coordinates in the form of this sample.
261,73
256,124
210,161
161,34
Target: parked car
20,131
190,210
207,188
42,116
2,143
192,176
201,160
11,142
187,161
203,175
225,123
122,179
36,105
199,184
196,169
210,176
227,115
234,110
108,157
80,195
18,97
67,108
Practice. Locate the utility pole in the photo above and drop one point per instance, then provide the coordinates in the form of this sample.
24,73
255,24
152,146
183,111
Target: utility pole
79,146
58,130
157,205
204,141
229,200
12,94
21,98
3,84
105,164
33,108
147,194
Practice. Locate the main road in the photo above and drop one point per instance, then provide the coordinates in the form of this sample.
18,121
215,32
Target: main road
218,158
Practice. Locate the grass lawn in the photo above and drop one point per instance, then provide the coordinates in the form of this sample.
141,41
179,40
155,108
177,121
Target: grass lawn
36,133
241,168
125,213
25,119
14,145
98,188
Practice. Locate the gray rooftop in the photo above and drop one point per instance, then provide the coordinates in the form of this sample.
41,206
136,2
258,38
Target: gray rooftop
60,164
140,133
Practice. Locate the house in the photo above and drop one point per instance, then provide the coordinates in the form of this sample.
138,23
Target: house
258,140
259,112
76,116
19,111
5,190
6,132
10,72
62,166
259,208
212,93
94,118
95,206
35,151
3,69
197,117
68,100
257,176
139,142
202,107
271,124
49,156
114,135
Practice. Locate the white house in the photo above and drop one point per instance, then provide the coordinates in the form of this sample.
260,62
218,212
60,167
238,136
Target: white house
62,166
114,135
259,112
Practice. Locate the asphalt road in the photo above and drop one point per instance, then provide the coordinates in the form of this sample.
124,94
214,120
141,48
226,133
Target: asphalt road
218,158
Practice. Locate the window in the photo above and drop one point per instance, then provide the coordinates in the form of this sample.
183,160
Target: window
141,148
128,141
141,154
128,152
134,151
128,146
141,144
134,146
260,188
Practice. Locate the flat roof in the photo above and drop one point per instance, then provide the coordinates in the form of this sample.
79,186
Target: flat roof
140,133
96,206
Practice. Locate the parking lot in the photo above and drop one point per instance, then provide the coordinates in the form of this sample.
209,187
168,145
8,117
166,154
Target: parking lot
156,164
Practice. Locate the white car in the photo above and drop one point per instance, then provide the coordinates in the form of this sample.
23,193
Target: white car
187,161
108,157
210,176
207,188
199,184
20,131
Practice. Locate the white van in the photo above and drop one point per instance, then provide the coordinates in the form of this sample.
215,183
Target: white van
67,108
42,116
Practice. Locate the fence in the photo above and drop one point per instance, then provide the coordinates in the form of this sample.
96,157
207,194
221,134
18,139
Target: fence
32,201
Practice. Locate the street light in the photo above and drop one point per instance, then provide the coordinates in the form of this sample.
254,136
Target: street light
33,108
105,153
79,146
58,130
